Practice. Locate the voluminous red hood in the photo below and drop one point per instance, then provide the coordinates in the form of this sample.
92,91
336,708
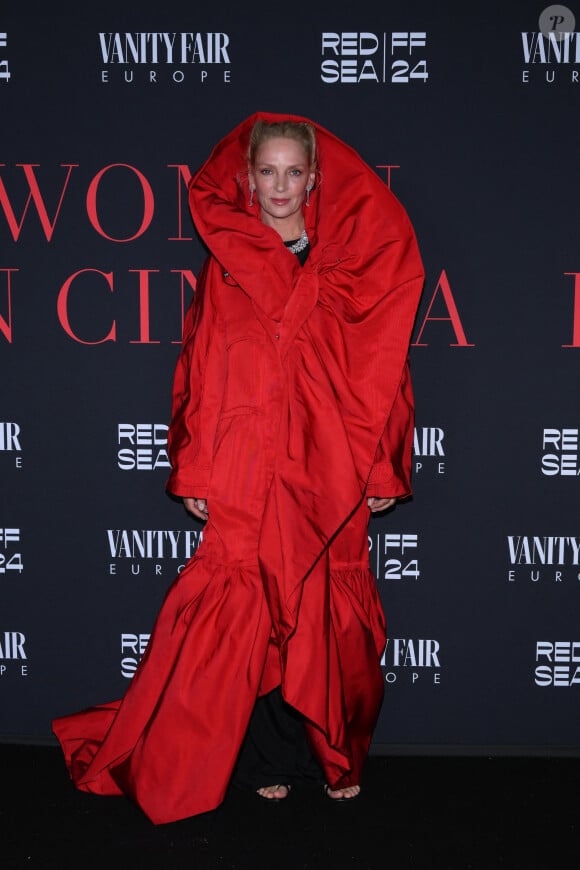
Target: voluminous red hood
353,222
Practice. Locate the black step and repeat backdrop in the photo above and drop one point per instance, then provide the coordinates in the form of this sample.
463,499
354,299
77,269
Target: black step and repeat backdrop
471,115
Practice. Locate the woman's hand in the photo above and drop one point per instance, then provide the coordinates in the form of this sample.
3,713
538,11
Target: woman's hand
197,507
380,504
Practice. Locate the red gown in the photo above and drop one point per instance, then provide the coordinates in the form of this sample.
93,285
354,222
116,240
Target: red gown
292,404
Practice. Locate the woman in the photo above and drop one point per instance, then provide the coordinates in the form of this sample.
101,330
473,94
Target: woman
292,417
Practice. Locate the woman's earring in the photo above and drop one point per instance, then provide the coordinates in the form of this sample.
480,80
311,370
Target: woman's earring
308,189
251,202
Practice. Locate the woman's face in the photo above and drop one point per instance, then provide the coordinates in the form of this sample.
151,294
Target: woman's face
280,175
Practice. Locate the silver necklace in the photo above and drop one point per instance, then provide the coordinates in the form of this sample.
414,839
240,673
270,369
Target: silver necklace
299,244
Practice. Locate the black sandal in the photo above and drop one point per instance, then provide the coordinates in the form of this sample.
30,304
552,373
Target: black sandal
275,800
339,800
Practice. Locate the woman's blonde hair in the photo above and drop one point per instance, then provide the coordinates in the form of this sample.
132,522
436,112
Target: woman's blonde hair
301,131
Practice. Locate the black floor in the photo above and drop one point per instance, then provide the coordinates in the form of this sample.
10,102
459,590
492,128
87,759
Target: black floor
445,813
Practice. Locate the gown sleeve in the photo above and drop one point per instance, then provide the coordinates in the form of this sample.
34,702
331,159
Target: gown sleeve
197,395
391,471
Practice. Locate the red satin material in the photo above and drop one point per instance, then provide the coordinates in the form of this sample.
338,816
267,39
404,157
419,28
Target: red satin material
292,403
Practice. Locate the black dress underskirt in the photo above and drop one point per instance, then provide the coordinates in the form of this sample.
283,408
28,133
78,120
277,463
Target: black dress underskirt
275,750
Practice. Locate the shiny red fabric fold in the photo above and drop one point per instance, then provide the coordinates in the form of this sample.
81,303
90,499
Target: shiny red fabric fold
172,742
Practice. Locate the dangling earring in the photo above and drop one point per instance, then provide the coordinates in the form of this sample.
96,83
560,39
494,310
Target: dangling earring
251,202
308,189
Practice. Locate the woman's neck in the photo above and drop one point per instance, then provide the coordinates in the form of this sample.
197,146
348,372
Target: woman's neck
288,229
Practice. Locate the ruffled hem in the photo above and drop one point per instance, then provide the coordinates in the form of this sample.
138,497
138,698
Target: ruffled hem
172,742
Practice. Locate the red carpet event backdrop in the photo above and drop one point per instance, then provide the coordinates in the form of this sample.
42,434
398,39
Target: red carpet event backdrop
470,115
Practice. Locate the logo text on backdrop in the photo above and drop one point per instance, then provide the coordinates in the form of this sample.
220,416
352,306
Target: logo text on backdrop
411,659
12,653
355,58
537,558
167,57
